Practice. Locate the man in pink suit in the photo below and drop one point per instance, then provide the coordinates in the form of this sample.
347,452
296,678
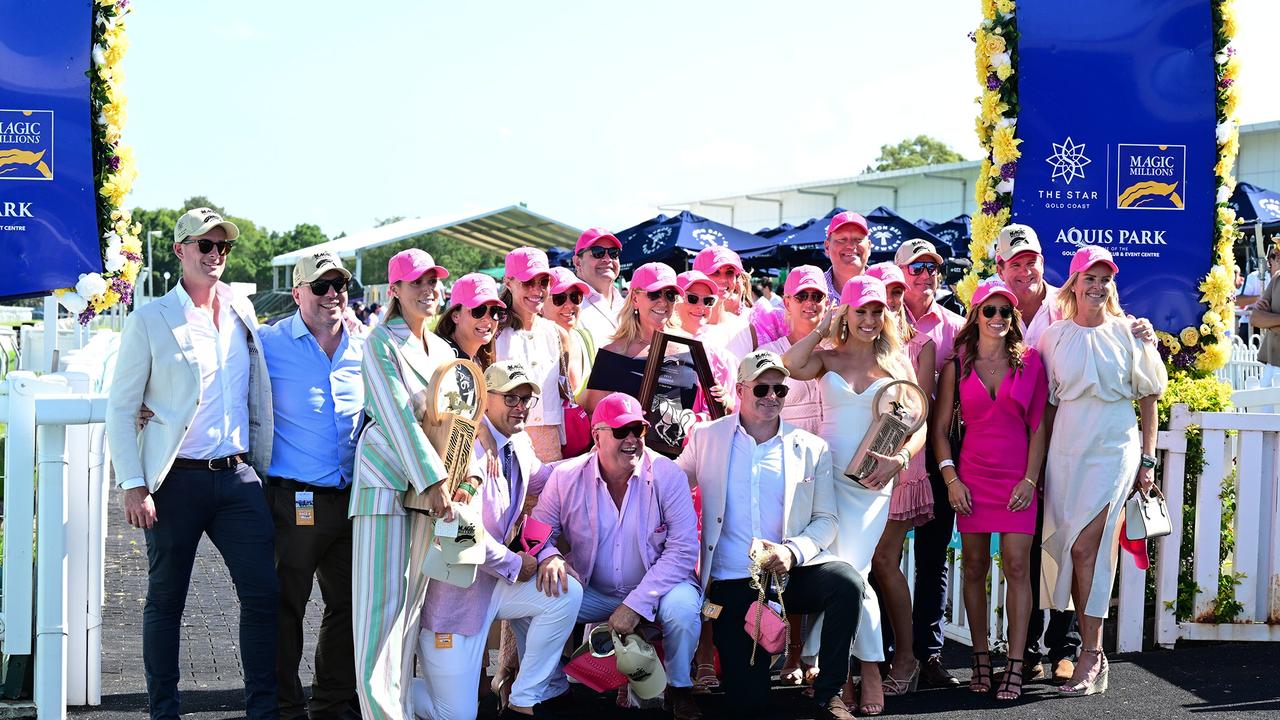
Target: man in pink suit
628,516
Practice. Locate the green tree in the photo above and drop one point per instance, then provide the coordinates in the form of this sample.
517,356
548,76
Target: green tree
914,152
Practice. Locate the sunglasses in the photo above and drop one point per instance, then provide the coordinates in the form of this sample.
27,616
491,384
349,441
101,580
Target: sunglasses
541,281
497,313
707,300
622,433
805,296
669,295
512,400
989,311
320,288
763,389
928,266
206,246
574,297
598,252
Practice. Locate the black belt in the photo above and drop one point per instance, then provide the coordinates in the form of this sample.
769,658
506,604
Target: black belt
224,463
287,484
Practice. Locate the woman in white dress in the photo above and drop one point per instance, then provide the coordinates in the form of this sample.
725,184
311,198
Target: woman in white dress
1097,450
866,355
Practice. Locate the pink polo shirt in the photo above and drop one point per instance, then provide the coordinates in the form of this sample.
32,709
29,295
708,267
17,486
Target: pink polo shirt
940,325
619,560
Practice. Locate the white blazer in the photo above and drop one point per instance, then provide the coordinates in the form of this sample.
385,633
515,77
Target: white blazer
157,366
808,510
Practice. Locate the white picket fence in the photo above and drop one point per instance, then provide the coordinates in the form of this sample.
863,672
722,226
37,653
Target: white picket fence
1243,367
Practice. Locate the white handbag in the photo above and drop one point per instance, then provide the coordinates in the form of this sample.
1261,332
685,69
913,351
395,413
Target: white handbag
1146,515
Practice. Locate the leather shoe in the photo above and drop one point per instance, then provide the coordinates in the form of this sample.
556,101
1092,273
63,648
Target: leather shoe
1035,673
681,703
835,709
1063,670
934,675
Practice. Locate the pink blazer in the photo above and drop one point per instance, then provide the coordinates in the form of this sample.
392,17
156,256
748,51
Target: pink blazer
667,526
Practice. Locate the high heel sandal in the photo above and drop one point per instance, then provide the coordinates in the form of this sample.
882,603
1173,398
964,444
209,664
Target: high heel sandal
894,687
705,679
1008,690
980,682
1094,681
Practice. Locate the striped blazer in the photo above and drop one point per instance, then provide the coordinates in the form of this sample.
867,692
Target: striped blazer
393,451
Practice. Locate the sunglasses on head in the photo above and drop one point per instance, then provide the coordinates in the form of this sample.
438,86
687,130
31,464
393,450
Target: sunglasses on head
499,314
320,288
541,281
928,266
573,296
669,295
695,299
805,296
206,246
763,389
598,252
622,433
989,311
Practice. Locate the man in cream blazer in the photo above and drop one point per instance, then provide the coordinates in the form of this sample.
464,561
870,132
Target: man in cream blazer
768,502
193,359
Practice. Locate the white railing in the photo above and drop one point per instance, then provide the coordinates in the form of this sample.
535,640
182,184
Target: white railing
1243,367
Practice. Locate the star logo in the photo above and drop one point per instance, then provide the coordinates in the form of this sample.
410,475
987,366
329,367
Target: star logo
1068,161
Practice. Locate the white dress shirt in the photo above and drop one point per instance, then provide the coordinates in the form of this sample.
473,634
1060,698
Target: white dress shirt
599,316
1045,316
755,494
221,424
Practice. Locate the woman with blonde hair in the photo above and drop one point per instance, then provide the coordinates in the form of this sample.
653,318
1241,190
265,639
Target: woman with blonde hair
866,354
1098,448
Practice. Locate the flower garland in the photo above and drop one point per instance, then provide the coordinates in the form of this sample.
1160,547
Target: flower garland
1201,349
114,173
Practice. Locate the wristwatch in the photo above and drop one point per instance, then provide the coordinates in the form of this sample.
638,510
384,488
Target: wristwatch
1148,461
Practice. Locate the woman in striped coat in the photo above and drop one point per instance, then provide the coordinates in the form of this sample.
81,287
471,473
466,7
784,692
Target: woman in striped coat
390,544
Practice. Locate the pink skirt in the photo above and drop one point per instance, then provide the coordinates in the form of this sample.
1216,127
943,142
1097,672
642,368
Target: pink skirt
912,497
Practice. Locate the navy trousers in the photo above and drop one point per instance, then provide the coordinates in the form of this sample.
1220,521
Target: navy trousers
932,538
230,507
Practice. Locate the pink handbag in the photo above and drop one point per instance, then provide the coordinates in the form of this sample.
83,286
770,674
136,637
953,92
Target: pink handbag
766,627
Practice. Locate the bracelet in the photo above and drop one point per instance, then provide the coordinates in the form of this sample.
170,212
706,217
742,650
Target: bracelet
953,480
1029,480
467,487
946,463
905,454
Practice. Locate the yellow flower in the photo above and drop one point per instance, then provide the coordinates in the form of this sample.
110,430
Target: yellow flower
1211,318
1205,330
1228,20
989,195
992,109
1213,357
1227,215
1005,7
1004,146
1004,72
966,287
1189,336
1231,101
1217,284
1175,348
989,9
993,44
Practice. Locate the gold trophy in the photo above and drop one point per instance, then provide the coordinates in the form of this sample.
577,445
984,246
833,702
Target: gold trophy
901,408
455,401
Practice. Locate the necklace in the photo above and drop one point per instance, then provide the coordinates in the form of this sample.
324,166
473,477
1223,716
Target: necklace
999,368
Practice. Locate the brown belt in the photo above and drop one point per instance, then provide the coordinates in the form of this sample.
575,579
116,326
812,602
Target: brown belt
223,463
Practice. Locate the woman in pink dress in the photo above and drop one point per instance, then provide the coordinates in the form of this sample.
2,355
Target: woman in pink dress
1003,391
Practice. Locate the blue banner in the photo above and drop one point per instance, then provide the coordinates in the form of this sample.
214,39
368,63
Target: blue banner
48,215
1117,116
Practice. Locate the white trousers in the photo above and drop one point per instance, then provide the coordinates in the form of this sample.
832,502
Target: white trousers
541,625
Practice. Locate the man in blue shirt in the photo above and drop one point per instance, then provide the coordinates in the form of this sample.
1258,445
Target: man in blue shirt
318,401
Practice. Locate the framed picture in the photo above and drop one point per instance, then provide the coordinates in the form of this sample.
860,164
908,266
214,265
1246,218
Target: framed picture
667,392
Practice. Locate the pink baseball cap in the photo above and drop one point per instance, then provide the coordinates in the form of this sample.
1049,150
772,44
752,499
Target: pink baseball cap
888,273
848,217
804,277
618,409
653,276
689,278
992,286
595,236
526,263
475,289
863,289
563,280
411,264
710,259
1089,255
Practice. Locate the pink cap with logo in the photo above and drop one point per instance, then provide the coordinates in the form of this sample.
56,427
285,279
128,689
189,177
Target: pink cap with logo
563,280
689,278
411,264
1089,255
888,273
475,289
848,217
651,277
992,286
863,289
710,259
595,236
526,263
617,409
804,277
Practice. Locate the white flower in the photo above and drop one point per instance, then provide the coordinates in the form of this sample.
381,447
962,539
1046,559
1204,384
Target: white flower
113,260
73,302
1224,130
1224,194
1004,186
91,285
991,249
99,55
999,59
1007,122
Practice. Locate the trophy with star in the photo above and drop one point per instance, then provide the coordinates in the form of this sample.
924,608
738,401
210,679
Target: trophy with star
455,402
901,408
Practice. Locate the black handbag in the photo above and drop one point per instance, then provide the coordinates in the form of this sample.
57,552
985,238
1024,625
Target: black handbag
956,434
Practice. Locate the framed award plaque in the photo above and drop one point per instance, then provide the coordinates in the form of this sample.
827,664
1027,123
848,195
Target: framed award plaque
667,392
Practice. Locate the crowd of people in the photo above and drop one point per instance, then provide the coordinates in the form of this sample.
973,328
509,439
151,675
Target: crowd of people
679,523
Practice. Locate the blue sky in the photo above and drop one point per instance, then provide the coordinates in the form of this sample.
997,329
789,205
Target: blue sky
592,113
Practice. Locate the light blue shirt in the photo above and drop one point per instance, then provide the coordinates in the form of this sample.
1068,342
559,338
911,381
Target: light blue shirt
318,404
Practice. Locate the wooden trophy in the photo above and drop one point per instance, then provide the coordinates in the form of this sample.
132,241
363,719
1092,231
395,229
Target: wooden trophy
455,402
901,408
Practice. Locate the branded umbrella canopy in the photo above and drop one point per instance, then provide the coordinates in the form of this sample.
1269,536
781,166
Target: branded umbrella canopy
676,239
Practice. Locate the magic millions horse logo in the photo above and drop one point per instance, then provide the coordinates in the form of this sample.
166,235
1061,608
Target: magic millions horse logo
1150,177
26,144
